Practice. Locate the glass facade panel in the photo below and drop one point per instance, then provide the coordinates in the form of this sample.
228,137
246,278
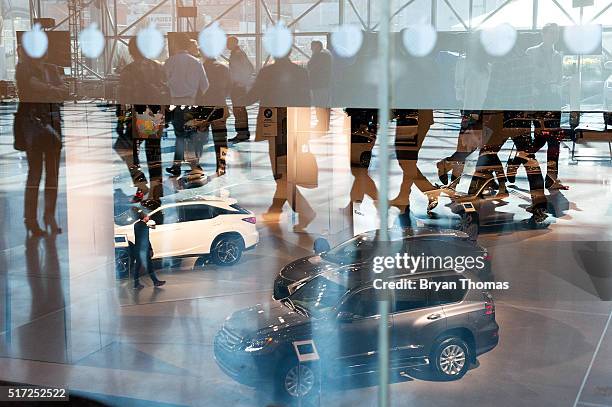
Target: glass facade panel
306,202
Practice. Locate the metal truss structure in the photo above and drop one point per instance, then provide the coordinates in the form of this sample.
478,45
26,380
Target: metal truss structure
348,10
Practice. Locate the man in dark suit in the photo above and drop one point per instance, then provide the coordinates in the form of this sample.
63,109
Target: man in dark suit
215,96
143,252
281,84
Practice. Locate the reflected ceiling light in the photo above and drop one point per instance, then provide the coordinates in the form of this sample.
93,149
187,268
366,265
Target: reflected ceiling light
419,40
212,40
91,41
582,39
150,42
347,40
35,42
498,40
278,40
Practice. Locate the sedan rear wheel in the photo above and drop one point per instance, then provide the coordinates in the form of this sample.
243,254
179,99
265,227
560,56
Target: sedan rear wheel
450,358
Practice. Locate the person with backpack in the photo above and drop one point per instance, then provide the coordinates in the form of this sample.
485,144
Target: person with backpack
142,84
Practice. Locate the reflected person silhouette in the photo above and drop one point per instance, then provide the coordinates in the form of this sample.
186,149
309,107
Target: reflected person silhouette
472,74
216,96
38,132
46,300
319,71
280,85
411,130
242,74
142,84
547,84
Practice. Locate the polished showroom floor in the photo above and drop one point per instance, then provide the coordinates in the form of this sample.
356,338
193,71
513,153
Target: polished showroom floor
66,321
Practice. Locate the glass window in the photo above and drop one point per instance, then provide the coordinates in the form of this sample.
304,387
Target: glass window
362,304
166,216
196,212
408,300
442,297
353,251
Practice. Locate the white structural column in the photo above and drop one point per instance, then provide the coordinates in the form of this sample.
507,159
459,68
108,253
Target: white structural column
89,196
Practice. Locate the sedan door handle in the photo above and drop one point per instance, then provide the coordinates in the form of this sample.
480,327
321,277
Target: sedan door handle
434,316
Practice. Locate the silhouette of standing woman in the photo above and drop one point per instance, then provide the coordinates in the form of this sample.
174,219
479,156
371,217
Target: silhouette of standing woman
38,132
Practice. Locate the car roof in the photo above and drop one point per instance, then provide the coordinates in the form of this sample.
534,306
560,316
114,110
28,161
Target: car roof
200,200
397,233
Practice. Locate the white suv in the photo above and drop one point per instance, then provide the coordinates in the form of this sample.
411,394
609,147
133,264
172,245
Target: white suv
213,227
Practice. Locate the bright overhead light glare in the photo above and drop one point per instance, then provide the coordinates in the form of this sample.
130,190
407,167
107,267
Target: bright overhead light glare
419,40
582,39
498,40
278,40
212,40
150,42
35,42
91,41
347,40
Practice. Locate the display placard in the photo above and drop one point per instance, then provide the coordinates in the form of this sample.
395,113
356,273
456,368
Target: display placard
306,351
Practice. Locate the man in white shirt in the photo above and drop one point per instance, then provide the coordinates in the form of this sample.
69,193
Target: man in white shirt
187,81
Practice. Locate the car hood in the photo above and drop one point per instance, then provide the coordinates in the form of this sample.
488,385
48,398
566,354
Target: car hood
264,318
306,267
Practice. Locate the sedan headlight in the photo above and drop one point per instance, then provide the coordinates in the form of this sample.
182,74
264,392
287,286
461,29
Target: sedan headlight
258,344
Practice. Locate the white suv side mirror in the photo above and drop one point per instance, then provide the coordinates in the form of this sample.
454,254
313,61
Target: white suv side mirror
151,223
608,65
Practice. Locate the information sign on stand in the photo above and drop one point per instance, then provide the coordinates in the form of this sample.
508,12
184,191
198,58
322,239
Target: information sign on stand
306,353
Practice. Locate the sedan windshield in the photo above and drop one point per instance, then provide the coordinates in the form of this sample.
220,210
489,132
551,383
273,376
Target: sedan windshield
318,296
362,249
356,250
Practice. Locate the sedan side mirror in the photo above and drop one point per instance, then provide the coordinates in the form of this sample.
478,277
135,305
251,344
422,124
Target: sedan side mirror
345,316
320,245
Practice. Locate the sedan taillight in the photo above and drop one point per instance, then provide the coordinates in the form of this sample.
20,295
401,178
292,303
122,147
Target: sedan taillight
489,305
250,219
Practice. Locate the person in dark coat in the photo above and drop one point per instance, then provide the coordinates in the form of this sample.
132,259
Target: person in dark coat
142,83
242,73
39,131
319,71
143,252
216,96
281,84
